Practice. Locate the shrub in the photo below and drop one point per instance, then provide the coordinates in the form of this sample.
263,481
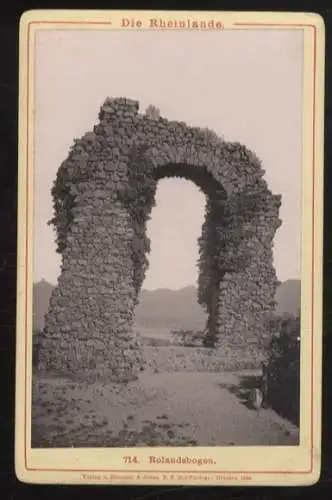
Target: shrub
188,338
152,112
282,380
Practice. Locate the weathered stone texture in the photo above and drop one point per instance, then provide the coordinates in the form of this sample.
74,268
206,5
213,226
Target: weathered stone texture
103,195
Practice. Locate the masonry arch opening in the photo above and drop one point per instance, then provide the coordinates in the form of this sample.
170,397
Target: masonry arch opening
168,299
173,228
175,262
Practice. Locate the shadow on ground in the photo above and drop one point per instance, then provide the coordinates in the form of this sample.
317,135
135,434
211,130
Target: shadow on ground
280,399
243,389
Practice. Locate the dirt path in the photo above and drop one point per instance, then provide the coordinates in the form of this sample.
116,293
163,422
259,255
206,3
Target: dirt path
216,415
176,409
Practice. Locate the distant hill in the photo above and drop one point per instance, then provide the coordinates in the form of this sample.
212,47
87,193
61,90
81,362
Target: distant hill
288,297
164,308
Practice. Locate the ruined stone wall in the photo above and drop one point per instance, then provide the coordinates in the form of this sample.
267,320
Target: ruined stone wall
201,359
103,195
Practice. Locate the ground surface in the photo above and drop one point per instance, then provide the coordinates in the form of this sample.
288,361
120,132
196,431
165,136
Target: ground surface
176,409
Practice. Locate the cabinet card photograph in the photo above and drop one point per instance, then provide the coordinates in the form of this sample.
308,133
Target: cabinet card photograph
169,293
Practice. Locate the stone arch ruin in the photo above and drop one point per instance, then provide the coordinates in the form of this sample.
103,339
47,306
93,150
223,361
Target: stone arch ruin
103,195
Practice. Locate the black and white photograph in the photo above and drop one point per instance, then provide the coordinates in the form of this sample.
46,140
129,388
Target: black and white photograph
166,260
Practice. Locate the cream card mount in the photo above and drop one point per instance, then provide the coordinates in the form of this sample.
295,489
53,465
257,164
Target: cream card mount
169,305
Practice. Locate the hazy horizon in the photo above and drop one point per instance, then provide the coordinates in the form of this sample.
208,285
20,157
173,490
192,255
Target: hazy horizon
144,289
245,85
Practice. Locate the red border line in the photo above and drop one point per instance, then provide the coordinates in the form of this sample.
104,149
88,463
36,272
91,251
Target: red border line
27,248
294,25
177,471
313,246
106,23
27,257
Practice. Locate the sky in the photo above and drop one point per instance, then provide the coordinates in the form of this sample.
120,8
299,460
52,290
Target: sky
245,85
